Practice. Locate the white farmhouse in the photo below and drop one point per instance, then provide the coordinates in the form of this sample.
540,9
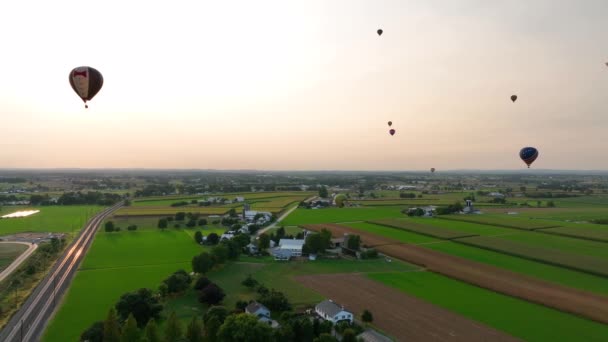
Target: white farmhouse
331,311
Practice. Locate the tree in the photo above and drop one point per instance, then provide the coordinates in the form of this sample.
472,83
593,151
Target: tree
173,329
180,216
367,316
178,282
219,254
218,312
212,294
141,303
213,239
191,224
201,283
263,241
202,222
241,305
249,282
151,332
132,227
111,327
194,332
211,328
130,332
198,237
325,337
353,242
323,192
349,335
244,327
94,333
232,213
314,244
162,223
275,300
551,204
202,263
303,329
109,226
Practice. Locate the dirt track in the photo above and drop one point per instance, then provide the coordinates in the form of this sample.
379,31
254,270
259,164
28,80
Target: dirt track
404,317
563,298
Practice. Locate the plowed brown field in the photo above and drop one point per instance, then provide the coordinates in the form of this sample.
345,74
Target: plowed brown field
403,317
563,298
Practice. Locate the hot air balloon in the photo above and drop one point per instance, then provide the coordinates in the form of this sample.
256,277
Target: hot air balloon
390,123
379,32
392,131
432,170
86,82
513,98
528,155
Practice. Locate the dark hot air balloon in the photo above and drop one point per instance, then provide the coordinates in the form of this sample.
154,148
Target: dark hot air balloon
528,155
379,32
392,131
432,170
390,123
513,98
86,82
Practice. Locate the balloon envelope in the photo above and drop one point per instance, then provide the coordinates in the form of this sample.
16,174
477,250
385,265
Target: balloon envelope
379,32
392,132
390,123
513,98
528,155
86,82
432,170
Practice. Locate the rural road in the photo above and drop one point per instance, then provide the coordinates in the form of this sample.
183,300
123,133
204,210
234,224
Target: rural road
281,218
31,319
31,247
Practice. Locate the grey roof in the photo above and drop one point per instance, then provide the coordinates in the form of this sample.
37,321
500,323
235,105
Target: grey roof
277,252
373,336
329,307
254,307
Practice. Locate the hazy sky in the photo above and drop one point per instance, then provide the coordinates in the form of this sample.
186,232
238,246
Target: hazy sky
305,84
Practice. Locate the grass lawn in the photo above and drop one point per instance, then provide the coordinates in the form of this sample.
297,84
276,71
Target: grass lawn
519,318
333,215
580,231
50,219
546,272
118,263
10,252
465,227
279,275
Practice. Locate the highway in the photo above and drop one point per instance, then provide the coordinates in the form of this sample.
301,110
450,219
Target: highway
31,319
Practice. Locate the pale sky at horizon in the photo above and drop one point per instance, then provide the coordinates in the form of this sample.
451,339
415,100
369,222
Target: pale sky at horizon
305,85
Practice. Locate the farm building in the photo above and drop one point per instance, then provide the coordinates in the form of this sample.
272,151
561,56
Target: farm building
288,248
239,199
331,311
257,309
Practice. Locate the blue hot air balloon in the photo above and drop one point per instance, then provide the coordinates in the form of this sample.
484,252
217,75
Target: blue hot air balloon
528,155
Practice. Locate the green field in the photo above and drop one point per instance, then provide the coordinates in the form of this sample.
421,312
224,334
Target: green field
560,214
543,271
334,215
582,263
597,233
503,221
565,244
169,211
10,252
249,197
118,263
420,228
391,233
519,318
59,219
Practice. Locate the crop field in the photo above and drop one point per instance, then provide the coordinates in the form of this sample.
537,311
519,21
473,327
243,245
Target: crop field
392,233
249,196
564,244
503,221
589,233
10,252
312,216
278,202
578,262
465,227
562,214
58,219
424,229
527,321
486,276
118,263
550,273
167,211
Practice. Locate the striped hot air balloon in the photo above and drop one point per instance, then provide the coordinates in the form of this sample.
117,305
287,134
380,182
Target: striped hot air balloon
528,155
86,82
